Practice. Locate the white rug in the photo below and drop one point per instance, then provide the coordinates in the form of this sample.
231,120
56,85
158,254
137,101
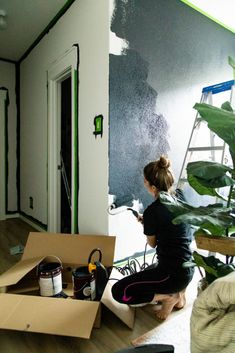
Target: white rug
176,329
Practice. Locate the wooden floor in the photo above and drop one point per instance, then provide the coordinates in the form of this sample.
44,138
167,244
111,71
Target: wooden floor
111,337
13,232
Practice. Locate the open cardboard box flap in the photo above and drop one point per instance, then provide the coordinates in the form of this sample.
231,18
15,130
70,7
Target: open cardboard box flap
69,248
58,316
18,271
124,312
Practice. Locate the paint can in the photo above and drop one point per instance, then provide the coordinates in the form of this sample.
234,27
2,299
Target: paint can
50,277
83,283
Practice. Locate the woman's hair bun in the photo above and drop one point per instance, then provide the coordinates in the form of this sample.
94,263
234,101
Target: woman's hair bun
163,162
159,174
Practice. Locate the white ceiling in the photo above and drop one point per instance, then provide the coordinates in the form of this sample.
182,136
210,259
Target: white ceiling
26,20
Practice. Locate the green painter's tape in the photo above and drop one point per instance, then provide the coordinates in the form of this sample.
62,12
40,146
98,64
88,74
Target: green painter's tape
75,194
187,2
47,29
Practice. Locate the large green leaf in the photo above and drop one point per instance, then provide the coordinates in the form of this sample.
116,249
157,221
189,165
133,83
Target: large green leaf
212,225
202,261
220,121
227,106
214,268
218,182
215,218
208,187
205,177
174,204
207,169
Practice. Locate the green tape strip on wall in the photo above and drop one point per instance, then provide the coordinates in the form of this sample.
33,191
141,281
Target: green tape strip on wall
75,193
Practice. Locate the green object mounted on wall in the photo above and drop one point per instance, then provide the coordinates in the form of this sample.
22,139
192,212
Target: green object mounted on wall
98,122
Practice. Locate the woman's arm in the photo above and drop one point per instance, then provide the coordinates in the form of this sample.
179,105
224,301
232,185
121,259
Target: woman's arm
152,241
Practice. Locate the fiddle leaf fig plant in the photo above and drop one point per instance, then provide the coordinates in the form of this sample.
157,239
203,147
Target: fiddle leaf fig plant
208,177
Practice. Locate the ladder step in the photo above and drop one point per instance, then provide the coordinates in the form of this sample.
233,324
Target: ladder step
219,87
209,148
185,180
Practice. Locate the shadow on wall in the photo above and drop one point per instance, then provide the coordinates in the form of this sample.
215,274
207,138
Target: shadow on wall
137,134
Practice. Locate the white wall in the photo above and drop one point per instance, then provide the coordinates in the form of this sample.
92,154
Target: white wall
7,80
85,23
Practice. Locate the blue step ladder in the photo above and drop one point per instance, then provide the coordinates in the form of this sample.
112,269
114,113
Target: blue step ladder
203,143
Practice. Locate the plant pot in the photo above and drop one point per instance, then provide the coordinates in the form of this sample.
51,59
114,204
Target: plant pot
221,244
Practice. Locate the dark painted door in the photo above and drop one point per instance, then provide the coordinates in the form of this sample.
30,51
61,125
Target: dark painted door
66,130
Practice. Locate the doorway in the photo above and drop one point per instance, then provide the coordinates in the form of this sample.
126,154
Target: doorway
63,144
66,128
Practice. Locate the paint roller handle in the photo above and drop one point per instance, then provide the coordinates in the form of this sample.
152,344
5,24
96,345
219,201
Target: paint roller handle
135,213
140,219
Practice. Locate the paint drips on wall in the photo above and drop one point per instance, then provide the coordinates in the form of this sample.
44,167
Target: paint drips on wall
137,134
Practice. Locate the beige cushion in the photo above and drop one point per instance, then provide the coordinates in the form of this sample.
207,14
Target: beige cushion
212,321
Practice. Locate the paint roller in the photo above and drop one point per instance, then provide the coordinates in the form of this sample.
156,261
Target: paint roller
126,200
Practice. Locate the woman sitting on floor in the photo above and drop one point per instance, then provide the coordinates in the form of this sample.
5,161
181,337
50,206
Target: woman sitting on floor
166,282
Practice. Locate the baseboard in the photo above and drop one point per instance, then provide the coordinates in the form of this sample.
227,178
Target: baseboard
26,220
31,223
11,215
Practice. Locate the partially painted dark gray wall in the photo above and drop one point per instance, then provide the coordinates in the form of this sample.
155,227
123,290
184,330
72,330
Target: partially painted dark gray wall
137,133
173,51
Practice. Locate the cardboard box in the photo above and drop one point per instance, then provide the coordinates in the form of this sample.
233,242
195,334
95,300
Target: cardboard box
21,306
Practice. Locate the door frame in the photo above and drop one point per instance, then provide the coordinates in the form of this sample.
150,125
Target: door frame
63,67
3,105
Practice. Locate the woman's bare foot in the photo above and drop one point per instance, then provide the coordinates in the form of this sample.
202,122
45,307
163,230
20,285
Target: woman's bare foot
182,301
168,303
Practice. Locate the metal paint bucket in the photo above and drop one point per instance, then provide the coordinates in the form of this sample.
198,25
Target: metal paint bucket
50,278
83,283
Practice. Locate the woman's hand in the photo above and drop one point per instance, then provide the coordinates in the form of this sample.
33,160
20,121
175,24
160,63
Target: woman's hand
140,218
